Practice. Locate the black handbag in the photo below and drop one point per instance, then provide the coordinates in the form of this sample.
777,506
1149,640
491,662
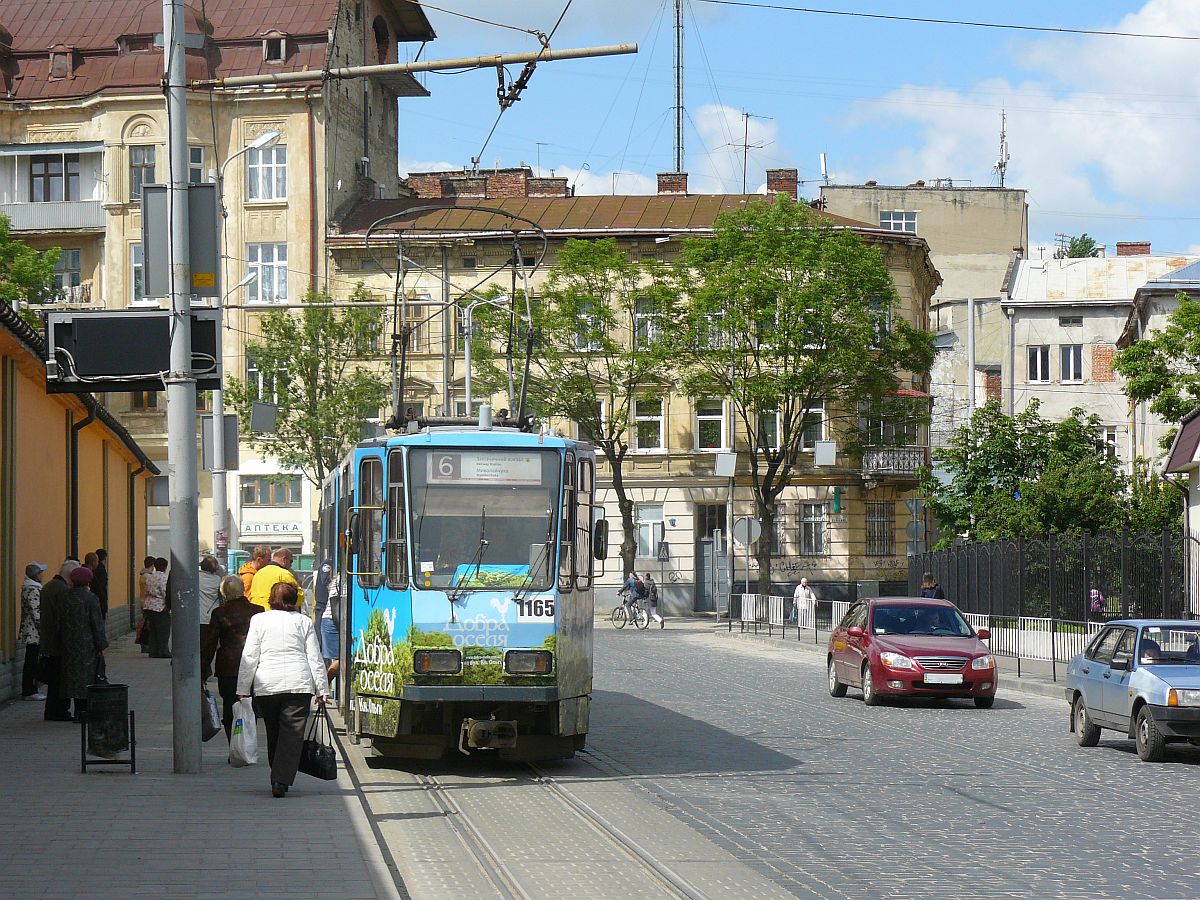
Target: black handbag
317,756
47,669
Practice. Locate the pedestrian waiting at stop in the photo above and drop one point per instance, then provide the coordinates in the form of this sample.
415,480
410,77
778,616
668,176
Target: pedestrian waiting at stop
81,640
54,599
327,591
930,587
224,639
30,634
143,628
652,599
804,605
281,665
157,610
259,557
278,570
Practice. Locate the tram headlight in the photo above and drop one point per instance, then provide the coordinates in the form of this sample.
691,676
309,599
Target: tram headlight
437,662
528,662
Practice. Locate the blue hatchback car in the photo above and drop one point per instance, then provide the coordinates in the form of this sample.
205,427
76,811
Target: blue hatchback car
1140,677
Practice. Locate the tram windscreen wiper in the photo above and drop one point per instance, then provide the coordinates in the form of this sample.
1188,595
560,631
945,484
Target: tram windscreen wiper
477,562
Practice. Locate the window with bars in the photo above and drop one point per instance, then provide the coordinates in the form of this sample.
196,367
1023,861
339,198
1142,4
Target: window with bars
898,220
53,177
1039,363
269,263
881,528
271,490
648,424
710,425
141,171
266,173
814,527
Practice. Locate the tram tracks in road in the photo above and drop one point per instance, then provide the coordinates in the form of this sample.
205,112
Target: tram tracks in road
491,861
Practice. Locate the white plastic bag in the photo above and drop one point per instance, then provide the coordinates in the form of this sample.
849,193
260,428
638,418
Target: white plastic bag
243,739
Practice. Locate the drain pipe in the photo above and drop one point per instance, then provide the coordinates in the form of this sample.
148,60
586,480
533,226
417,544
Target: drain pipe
132,518
90,402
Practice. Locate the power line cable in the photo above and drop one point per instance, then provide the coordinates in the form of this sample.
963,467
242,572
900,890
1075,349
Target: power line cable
482,21
1046,29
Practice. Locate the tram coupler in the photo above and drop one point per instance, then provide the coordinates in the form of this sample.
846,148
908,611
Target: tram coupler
486,734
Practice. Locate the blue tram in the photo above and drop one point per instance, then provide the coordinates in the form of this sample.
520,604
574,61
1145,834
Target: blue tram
466,559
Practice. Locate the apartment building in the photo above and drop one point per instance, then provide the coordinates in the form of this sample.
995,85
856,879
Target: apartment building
83,129
840,524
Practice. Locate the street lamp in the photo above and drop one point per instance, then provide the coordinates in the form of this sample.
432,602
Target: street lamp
468,333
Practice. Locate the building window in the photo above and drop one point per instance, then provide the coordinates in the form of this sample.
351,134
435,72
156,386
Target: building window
53,177
270,490
203,401
1070,321
881,528
588,332
273,49
648,424
812,426
768,430
881,314
1039,363
265,388
1110,441
649,529
136,282
645,323
195,165
814,539
898,220
1071,356
141,171
710,425
143,400
468,262
269,262
584,430
67,274
710,518
266,173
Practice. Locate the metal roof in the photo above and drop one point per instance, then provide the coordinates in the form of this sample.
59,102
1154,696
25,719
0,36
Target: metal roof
1189,275
1182,456
1089,279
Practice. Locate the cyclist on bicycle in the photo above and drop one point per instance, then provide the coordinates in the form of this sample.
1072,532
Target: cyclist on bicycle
633,592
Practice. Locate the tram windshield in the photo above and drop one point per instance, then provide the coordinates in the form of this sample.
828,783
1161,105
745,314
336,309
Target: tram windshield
483,518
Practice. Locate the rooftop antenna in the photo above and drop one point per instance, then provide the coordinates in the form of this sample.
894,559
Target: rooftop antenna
1002,162
824,169
746,145
678,85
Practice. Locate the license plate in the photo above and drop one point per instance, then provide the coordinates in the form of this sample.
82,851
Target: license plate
931,678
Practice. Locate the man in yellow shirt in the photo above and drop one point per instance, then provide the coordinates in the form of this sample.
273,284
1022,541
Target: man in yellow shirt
277,570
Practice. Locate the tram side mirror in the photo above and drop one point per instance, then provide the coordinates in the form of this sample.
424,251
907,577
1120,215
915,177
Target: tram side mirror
600,539
354,531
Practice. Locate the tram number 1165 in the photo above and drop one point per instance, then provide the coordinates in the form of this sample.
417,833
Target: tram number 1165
535,609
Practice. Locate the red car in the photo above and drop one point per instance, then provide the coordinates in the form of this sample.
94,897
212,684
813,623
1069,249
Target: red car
910,647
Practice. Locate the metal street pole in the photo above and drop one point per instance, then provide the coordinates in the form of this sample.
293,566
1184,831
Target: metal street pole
971,356
181,414
447,327
468,334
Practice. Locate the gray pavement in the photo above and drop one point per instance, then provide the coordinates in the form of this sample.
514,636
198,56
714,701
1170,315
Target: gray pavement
107,833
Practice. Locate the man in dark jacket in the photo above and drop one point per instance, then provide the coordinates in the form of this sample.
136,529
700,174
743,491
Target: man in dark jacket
100,579
54,598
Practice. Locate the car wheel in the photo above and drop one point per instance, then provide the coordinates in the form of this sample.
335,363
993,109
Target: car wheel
985,702
1151,745
1087,733
870,695
836,688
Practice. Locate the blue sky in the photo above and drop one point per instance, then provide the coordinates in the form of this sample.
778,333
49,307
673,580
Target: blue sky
1101,129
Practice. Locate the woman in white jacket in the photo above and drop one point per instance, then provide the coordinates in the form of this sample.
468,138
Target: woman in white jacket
282,665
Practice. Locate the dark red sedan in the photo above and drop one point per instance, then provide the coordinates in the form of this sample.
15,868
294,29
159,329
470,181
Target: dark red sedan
910,647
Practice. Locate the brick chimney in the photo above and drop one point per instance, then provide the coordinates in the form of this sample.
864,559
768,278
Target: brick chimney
783,181
672,183
1133,248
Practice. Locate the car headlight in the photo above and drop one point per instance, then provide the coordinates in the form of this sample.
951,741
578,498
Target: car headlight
896,661
1183,697
983,662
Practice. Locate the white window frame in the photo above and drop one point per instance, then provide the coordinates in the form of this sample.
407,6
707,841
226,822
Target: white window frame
579,429
584,340
271,285
814,529
1043,363
136,185
774,444
1070,361
660,420
1112,441
698,418
266,174
137,278
68,271
196,171
255,376
817,409
647,323
649,529
898,220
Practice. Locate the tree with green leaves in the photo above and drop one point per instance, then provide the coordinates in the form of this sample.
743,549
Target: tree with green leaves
1081,246
600,351
26,274
1023,475
1163,368
312,365
781,313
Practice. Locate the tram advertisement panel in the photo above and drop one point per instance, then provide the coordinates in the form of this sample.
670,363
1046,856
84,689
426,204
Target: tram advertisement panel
480,538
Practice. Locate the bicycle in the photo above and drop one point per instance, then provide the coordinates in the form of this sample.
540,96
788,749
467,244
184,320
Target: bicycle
620,615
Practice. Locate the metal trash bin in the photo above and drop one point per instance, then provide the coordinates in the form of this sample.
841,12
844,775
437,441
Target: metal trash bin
107,718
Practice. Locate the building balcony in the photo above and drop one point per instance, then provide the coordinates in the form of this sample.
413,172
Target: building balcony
62,215
894,462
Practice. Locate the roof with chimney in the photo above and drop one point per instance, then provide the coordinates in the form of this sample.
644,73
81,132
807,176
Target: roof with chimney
1089,279
65,49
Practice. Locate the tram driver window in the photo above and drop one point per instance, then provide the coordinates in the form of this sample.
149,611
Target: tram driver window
397,544
370,523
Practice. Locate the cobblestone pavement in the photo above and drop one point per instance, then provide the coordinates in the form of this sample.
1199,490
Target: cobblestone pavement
828,797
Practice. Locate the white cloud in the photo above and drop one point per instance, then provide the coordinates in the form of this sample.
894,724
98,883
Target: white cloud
717,166
408,166
588,181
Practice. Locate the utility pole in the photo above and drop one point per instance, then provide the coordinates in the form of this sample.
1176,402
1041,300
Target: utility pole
181,413
970,356
678,85
447,328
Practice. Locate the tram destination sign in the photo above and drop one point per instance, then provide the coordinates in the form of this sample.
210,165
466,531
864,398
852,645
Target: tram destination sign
485,467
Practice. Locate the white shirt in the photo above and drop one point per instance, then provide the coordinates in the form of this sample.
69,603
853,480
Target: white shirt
281,656
805,593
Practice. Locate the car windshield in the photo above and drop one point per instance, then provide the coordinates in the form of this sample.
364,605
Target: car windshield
920,618
483,518
1169,645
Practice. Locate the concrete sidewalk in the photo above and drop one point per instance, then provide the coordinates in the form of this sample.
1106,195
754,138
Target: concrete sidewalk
107,833
1035,676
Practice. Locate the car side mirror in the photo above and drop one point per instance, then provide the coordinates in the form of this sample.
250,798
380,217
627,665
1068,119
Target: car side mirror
855,632
600,539
1120,665
983,634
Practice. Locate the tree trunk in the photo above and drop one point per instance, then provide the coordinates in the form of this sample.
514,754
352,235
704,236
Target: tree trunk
625,505
762,550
